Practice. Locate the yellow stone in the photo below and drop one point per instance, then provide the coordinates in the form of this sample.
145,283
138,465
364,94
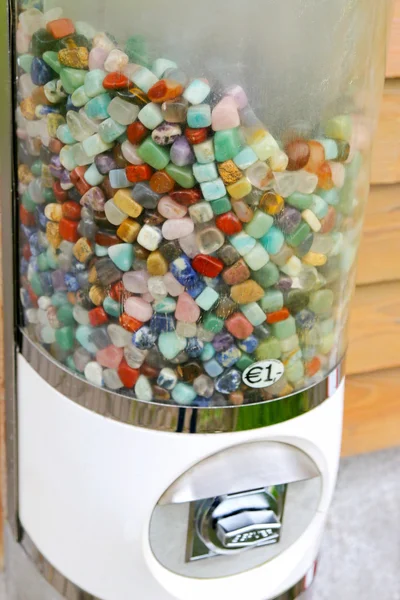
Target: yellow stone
53,123
314,259
240,189
246,292
25,175
92,276
229,172
127,204
47,177
279,161
53,234
128,230
82,250
263,144
76,58
53,212
156,264
97,294
27,107
271,203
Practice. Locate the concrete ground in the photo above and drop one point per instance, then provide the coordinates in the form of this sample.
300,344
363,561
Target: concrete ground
360,558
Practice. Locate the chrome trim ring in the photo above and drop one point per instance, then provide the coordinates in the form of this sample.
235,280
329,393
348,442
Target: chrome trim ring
177,419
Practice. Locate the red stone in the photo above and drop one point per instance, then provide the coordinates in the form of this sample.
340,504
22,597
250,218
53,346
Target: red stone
117,291
107,188
228,223
135,173
207,265
26,251
162,183
98,316
313,366
33,297
164,90
71,210
60,194
27,218
136,132
77,178
278,315
55,146
127,375
69,230
103,238
115,81
149,371
60,28
196,136
328,222
129,323
186,197
239,326
237,273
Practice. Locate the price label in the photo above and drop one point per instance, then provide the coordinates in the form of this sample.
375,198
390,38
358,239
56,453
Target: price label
264,373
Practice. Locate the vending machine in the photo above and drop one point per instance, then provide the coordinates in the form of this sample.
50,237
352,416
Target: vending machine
183,190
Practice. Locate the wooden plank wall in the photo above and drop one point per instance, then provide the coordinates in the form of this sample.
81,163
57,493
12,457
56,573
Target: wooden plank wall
372,410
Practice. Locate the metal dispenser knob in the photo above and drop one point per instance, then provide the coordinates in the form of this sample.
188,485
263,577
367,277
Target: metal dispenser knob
249,528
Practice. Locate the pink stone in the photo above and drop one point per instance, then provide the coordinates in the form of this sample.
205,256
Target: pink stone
238,94
177,228
172,285
136,281
186,309
189,245
110,357
170,209
23,40
138,308
97,58
225,115
148,297
338,174
130,70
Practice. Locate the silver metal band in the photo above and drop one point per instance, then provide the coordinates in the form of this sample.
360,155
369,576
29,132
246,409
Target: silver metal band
177,419
70,591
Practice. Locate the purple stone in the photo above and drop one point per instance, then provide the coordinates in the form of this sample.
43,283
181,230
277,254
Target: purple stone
65,178
182,153
105,163
288,220
94,198
222,341
166,134
56,167
284,284
58,280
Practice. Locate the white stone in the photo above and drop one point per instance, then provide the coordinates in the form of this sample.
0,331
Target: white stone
130,153
112,380
44,302
114,214
122,112
94,373
81,315
143,389
293,267
119,336
116,61
150,237
311,219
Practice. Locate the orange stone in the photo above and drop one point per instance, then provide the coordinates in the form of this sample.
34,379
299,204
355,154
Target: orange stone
127,375
77,178
164,90
278,315
69,230
162,183
313,366
129,323
325,180
26,218
136,173
115,81
317,157
298,154
136,132
272,204
60,28
242,211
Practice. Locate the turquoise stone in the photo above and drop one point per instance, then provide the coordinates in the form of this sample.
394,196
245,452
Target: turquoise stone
273,240
267,276
154,155
36,284
257,258
27,202
300,201
122,256
65,314
110,130
213,323
52,259
205,172
221,206
82,334
36,168
112,307
136,49
160,65
207,298
25,62
94,83
284,329
213,190
213,368
245,158
319,206
182,175
165,306
151,116
97,107
94,145
65,338
299,235
171,344
197,91
93,177
259,225
72,79
183,394
242,242
59,299
208,352
330,196
330,147
227,144
199,116
144,79
79,97
253,313
71,363
51,59
272,301
64,134
100,250
42,262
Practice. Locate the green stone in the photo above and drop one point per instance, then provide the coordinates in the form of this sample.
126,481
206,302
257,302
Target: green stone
183,393
97,107
36,168
42,262
110,130
36,284
72,79
221,206
64,134
227,144
284,329
260,224
79,97
65,338
213,323
48,195
51,59
295,372
171,344
25,62
267,276
299,200
59,298
83,334
64,314
100,250
182,175
244,361
269,348
94,83
296,300
319,207
112,307
70,363
321,301
272,301
136,49
327,326
165,306
27,202
299,235
52,259
41,42
154,155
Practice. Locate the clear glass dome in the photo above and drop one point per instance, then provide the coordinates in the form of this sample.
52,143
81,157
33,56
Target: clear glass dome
191,186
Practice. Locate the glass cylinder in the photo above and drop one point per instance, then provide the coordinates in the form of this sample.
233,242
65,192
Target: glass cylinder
192,181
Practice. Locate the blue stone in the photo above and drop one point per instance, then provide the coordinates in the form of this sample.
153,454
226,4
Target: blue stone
249,344
162,322
47,284
183,272
208,352
144,338
23,266
41,73
25,298
213,368
99,337
71,282
227,358
305,319
228,382
222,341
201,402
196,289
34,245
70,106
83,280
194,347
